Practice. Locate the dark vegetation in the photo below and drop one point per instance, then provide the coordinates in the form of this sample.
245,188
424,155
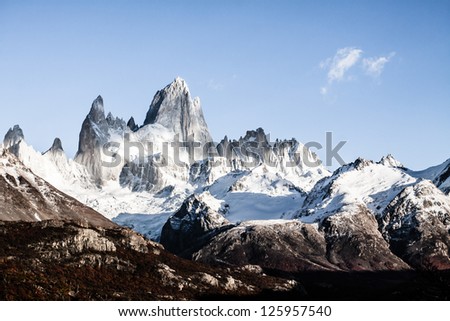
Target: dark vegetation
32,267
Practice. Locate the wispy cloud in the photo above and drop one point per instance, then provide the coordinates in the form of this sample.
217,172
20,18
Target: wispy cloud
374,66
338,66
343,60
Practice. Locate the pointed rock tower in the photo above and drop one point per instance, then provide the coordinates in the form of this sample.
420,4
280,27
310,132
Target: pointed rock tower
173,108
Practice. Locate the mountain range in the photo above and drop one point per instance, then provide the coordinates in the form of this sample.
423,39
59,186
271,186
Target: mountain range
236,209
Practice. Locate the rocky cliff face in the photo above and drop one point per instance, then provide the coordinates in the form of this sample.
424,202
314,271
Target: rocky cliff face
442,180
13,138
56,147
344,242
273,245
173,125
192,226
95,133
354,243
174,109
417,225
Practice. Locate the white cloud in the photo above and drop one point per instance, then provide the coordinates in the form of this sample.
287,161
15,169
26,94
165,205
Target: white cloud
373,66
338,66
343,60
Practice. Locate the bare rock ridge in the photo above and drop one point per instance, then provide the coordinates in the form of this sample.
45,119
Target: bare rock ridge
255,148
93,135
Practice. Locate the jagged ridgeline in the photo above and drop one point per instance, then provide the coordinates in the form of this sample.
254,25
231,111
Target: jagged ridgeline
248,201
123,169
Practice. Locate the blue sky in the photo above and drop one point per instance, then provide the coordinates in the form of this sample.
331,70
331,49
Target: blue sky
375,73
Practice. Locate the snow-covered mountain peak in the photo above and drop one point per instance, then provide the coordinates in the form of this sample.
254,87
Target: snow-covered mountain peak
194,219
13,137
96,131
56,147
179,84
97,112
174,108
390,160
362,182
359,164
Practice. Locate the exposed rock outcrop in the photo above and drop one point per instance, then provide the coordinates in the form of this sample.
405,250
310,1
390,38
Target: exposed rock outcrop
95,133
13,138
192,226
173,108
417,225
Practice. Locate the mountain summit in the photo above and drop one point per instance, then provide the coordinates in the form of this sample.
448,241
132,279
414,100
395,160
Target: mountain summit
13,137
173,108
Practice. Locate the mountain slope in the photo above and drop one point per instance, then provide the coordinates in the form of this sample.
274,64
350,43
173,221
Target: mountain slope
439,175
26,197
342,242
361,183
